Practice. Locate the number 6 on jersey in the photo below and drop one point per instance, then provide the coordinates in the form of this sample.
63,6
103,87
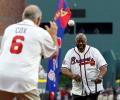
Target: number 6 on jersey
16,45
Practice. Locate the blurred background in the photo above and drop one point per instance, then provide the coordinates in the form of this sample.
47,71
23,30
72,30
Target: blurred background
99,19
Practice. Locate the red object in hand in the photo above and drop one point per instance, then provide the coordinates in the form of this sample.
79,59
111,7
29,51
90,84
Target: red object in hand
62,93
52,95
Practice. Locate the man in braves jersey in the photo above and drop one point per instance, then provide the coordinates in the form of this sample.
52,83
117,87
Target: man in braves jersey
86,67
23,46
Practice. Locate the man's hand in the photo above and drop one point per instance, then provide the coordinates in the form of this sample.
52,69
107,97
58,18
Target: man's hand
76,77
103,70
52,31
98,80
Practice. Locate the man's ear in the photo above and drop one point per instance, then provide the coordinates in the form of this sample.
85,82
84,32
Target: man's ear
38,21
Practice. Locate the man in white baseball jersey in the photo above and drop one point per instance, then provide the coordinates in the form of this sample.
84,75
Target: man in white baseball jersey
86,67
22,48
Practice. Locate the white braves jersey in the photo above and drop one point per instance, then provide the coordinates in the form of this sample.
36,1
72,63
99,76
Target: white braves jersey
87,65
22,47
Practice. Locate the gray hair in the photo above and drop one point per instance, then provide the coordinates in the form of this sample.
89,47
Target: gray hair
81,35
32,12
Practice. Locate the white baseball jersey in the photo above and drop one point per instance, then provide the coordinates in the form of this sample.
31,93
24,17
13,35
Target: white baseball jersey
23,45
87,65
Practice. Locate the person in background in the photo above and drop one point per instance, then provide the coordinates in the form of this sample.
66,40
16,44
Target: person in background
42,74
86,67
23,46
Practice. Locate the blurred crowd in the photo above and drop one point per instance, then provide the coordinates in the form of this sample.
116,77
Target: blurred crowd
64,93
108,94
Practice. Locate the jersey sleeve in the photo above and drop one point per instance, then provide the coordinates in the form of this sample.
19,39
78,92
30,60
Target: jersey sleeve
48,46
100,59
67,60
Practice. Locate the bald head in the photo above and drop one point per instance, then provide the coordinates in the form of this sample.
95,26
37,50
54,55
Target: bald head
32,12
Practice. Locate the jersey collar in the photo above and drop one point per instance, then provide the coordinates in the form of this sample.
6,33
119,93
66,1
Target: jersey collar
86,49
27,22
